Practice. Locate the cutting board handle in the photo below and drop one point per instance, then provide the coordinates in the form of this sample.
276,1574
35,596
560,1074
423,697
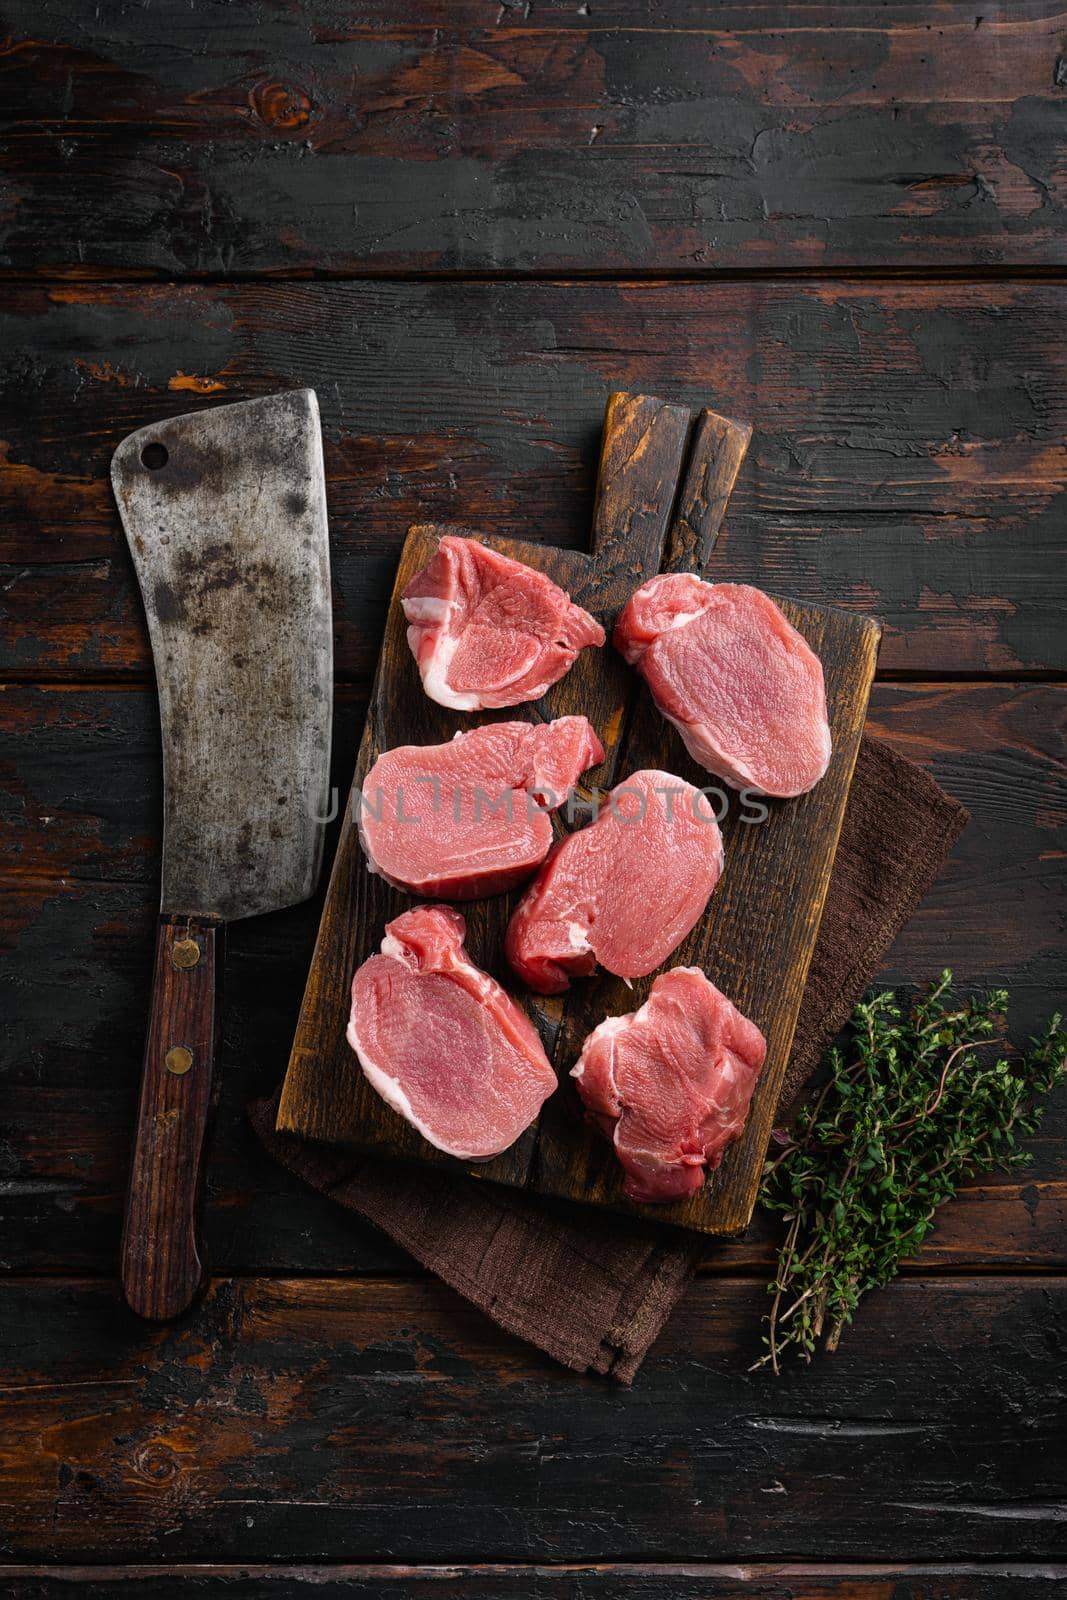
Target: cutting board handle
160,1264
717,449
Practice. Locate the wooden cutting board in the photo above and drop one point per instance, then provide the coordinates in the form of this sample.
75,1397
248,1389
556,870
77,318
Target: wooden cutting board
662,490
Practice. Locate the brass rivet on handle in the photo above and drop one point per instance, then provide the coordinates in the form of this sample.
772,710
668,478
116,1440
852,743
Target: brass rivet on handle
179,1059
186,953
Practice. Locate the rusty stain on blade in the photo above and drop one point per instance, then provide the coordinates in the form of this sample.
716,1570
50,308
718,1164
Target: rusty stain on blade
225,514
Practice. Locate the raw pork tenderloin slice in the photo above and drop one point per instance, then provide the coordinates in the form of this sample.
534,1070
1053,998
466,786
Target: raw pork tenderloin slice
742,687
670,1084
487,631
470,818
624,891
442,1043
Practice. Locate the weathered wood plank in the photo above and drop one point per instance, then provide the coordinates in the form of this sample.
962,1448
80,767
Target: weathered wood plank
503,137
288,1419
75,977
648,1581
908,458
80,777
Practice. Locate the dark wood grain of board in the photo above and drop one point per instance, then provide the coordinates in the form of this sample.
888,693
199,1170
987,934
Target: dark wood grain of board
718,449
757,938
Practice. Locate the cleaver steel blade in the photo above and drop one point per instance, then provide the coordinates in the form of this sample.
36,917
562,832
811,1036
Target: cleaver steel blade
225,514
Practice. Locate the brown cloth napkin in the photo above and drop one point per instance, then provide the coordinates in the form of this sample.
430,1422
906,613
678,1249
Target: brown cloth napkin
591,1288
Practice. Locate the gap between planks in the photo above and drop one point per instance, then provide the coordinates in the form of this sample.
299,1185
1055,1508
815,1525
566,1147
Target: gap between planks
912,1272
960,273
750,1570
360,686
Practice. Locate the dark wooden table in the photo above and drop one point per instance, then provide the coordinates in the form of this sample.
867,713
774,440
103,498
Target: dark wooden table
463,222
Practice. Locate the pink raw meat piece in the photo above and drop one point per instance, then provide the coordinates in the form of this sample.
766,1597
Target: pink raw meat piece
625,891
442,1043
487,631
470,818
670,1084
742,687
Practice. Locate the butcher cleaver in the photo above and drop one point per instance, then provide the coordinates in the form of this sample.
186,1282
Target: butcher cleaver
225,513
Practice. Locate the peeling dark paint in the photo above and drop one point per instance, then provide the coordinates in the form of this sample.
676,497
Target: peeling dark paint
731,139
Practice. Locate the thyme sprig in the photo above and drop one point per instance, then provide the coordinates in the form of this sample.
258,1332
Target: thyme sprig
916,1103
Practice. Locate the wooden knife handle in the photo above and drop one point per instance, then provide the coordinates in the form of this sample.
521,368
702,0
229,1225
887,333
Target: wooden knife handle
161,1267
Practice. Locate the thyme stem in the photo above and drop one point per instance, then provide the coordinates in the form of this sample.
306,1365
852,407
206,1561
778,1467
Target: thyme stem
909,1110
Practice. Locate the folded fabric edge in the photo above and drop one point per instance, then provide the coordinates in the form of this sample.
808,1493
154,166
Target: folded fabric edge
944,817
657,1273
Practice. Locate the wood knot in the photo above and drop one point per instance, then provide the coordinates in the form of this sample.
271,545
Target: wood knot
280,105
156,1462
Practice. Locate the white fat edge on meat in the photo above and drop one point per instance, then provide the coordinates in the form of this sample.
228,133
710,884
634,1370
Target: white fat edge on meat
430,611
690,735
426,887
485,985
389,1088
577,937
372,865
736,776
433,611
450,866
435,676
533,692
727,1070
693,733
425,609
681,619
606,1032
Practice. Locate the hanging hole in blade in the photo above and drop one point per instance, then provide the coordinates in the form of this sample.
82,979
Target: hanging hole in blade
154,456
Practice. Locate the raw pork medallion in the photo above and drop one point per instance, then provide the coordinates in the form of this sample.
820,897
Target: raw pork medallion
470,818
670,1084
488,631
742,687
624,891
442,1043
